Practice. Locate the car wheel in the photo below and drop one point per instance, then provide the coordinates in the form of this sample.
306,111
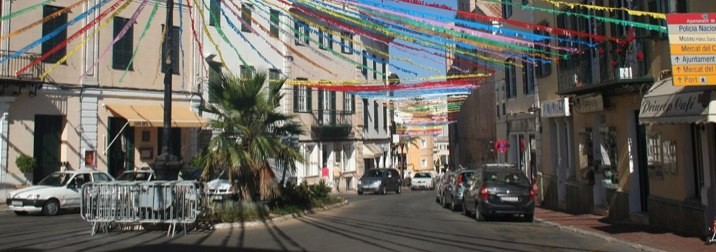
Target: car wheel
478,216
442,202
398,190
360,192
20,213
51,208
529,218
453,207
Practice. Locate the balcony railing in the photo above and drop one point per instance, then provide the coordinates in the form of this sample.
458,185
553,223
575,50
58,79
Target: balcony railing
594,68
332,124
9,68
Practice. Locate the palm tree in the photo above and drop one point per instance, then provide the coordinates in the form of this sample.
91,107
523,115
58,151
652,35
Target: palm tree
402,146
250,132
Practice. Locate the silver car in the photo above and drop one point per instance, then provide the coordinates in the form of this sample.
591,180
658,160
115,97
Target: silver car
455,190
380,181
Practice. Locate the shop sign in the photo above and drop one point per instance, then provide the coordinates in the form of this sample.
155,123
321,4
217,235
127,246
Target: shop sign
589,103
556,108
521,125
684,104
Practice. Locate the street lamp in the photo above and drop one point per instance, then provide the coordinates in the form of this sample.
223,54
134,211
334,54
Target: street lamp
167,164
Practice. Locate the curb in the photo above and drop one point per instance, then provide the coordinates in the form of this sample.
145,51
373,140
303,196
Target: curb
278,219
599,235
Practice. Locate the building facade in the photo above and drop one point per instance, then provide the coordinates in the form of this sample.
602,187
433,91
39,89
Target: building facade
89,105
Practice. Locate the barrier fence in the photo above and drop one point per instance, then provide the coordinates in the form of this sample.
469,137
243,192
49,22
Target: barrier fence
138,203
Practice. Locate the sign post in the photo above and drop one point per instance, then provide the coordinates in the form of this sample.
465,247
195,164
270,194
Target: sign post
692,42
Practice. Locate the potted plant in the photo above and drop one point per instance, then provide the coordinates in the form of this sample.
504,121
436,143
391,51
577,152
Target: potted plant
26,164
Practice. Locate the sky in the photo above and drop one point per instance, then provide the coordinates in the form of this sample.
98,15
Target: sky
419,57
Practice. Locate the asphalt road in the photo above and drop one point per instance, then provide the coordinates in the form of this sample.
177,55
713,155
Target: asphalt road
411,221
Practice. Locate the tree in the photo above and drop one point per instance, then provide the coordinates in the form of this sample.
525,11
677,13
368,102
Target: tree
250,131
402,146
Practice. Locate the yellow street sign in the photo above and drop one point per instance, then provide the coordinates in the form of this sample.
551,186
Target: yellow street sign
688,49
698,70
694,80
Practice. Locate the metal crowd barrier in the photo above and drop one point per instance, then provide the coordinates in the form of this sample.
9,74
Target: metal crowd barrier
118,203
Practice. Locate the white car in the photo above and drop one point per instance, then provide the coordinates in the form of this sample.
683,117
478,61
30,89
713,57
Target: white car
59,190
141,174
219,189
422,180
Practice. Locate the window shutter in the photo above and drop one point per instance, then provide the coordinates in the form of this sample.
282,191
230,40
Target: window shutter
295,98
309,100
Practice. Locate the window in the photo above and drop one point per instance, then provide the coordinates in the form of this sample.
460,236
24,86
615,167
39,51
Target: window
385,118
246,16
174,52
383,67
50,26
214,77
300,28
423,143
274,75
302,97
506,8
528,78
306,34
348,102
275,14
365,114
510,78
100,177
122,50
375,67
215,13
321,42
346,42
247,72
364,66
375,115
424,162
544,67
329,35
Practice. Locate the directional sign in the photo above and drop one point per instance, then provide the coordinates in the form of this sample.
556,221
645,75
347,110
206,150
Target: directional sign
692,38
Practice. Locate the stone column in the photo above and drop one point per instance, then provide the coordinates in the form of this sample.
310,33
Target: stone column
4,127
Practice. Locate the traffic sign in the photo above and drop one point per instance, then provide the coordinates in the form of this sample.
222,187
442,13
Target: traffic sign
501,146
692,38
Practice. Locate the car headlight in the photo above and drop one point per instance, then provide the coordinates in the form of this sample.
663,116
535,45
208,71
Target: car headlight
33,196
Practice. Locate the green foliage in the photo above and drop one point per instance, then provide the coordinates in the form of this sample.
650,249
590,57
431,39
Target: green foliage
233,211
320,190
26,163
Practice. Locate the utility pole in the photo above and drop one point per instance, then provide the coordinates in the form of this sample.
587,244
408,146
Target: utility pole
167,164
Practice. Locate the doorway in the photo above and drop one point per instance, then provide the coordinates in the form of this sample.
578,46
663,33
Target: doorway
48,134
643,166
120,153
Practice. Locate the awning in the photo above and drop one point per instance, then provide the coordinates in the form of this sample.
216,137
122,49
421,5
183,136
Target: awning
153,116
666,103
371,151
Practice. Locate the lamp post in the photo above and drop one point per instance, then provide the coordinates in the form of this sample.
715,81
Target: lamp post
167,164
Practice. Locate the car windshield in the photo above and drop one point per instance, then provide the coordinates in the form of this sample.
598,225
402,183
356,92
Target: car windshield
422,175
372,173
506,177
56,179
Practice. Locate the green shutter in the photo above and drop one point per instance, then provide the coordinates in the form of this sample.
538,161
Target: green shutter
295,98
309,99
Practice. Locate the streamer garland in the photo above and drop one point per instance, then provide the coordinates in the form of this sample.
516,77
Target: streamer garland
43,20
26,9
141,37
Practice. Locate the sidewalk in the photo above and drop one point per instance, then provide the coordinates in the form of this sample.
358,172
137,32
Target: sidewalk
644,237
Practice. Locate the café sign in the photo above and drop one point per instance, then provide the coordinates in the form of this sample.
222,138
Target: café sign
682,104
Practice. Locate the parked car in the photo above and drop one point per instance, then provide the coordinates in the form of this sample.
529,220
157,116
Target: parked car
141,174
59,190
219,189
422,180
380,181
440,186
456,188
500,189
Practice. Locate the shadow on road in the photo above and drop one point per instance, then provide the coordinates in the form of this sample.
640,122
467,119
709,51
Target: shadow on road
190,247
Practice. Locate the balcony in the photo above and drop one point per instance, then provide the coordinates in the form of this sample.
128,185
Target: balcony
10,67
596,70
332,124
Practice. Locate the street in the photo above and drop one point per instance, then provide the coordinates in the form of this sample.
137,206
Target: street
411,221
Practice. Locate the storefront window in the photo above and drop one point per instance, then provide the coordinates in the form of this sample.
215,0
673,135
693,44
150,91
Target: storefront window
608,149
653,154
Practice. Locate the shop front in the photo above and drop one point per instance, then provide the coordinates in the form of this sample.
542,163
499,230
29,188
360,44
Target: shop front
557,152
135,134
680,142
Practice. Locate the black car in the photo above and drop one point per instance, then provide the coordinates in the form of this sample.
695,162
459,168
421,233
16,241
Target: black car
499,190
380,181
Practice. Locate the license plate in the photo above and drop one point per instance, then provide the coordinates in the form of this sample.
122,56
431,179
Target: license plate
16,203
509,199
